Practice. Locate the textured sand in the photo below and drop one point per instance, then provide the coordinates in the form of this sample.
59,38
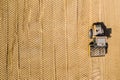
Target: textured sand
48,40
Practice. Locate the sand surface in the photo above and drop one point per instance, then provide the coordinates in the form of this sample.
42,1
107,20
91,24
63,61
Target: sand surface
48,40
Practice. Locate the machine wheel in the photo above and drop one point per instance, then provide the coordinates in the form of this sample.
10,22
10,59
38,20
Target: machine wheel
90,33
106,48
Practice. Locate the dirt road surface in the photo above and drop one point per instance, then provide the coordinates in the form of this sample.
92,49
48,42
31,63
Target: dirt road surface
48,40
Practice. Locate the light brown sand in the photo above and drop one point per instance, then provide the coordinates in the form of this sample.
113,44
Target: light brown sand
48,40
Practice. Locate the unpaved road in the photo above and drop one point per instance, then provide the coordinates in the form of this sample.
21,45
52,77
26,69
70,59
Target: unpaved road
48,40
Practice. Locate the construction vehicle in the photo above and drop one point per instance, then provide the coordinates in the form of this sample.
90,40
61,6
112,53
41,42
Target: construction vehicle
99,35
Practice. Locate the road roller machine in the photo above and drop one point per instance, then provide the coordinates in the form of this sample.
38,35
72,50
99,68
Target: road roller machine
99,35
